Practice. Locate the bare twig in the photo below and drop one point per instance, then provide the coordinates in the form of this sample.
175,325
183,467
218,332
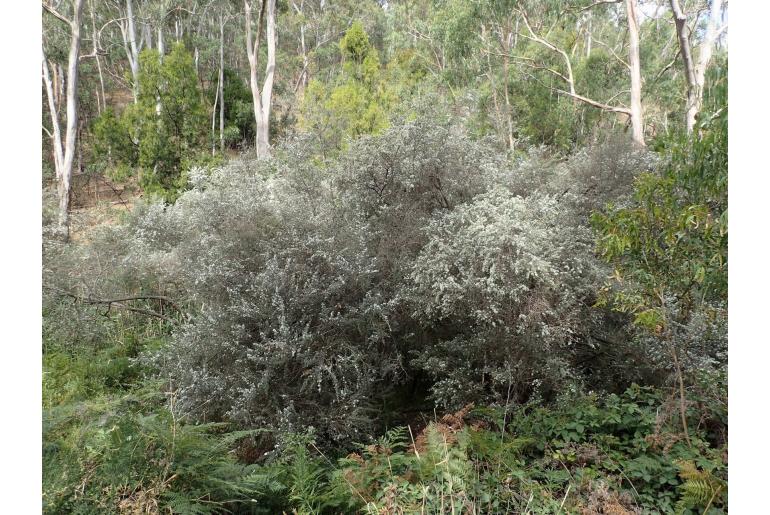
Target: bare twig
119,302
600,105
598,2
53,11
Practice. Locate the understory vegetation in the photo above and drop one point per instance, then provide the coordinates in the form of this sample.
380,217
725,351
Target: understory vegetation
437,283
301,310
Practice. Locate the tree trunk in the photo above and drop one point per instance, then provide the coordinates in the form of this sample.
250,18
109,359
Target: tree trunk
493,87
682,396
680,20
103,105
161,53
508,108
59,85
303,77
132,51
213,120
64,157
161,46
707,46
637,121
589,35
506,37
147,35
252,52
58,154
262,100
221,84
695,75
267,87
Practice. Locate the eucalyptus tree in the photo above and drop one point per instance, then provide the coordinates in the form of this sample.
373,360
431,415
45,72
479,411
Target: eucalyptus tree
208,35
262,97
64,151
695,74
221,85
503,30
131,45
635,69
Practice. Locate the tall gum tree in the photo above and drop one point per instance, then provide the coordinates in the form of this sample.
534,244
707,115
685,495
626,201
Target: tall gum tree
695,74
64,152
635,71
262,99
131,46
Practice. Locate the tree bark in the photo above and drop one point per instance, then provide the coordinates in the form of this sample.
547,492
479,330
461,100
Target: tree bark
147,34
103,105
132,50
214,118
161,46
505,40
492,87
262,99
695,74
589,34
303,76
58,153
65,155
682,396
637,120
161,51
221,84
707,46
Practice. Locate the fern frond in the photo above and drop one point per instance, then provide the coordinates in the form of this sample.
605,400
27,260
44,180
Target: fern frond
700,489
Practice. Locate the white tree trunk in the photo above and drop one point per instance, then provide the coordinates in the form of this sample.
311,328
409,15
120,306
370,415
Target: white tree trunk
213,120
267,87
695,74
262,100
589,34
505,42
147,35
637,120
58,153
103,105
161,53
221,84
303,76
161,46
64,155
305,60
707,45
132,50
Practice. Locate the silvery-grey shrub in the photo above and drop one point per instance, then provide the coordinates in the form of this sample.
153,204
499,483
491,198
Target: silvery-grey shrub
315,286
515,279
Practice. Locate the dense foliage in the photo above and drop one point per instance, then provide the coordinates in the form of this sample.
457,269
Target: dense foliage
161,133
418,268
450,286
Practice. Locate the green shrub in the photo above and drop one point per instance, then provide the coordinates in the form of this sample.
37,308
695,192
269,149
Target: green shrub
157,134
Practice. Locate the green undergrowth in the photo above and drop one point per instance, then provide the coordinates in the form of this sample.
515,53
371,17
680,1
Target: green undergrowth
113,443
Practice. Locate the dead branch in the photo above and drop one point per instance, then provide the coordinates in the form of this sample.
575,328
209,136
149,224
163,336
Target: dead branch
120,302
